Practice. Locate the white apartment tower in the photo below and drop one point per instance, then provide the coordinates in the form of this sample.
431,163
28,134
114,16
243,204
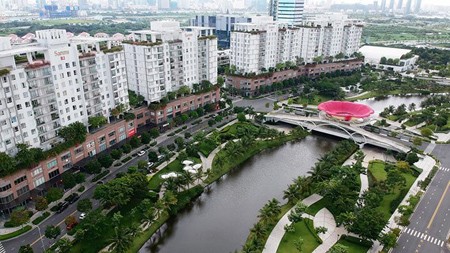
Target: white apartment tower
261,45
46,85
167,57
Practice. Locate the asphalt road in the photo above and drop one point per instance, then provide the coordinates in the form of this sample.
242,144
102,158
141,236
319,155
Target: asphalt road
430,223
32,237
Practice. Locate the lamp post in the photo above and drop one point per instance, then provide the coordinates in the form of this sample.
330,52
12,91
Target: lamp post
40,237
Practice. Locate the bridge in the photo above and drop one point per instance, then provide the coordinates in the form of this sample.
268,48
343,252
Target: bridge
346,131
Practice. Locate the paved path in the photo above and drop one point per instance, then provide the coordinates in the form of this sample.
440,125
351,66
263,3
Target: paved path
277,233
324,218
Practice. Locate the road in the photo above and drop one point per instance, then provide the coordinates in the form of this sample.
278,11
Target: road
33,237
430,223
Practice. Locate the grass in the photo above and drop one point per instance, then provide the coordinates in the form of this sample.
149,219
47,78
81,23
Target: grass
376,168
374,94
316,207
353,246
233,129
15,233
317,100
301,230
40,218
175,166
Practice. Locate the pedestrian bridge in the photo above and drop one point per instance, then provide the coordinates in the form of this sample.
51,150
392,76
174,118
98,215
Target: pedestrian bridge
347,131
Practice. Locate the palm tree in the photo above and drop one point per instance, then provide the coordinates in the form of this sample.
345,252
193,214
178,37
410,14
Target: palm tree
171,184
198,176
169,199
148,217
303,185
188,178
121,240
159,208
258,230
291,193
265,214
219,160
274,205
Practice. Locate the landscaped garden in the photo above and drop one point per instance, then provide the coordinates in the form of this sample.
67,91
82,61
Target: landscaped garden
290,240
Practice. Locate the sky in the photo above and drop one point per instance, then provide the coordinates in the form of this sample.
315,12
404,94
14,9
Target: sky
424,2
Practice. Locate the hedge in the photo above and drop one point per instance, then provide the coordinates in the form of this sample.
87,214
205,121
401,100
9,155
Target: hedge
40,218
15,233
357,241
126,159
100,176
310,225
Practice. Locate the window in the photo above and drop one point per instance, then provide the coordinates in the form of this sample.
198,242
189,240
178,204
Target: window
90,144
112,142
5,188
51,164
121,129
112,133
78,150
20,180
23,190
39,181
7,199
53,174
140,115
65,157
102,147
36,172
122,137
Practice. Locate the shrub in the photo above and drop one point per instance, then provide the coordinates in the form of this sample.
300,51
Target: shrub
81,189
40,218
126,159
187,135
153,143
126,148
41,203
116,154
106,161
100,176
426,132
93,167
84,205
184,127
54,194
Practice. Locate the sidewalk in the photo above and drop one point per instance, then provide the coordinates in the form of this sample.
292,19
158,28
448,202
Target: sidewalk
277,233
324,218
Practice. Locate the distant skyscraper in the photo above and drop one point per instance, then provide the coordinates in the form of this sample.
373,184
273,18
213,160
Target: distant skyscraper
375,5
287,11
163,4
391,5
400,4
383,5
408,7
40,4
83,4
417,7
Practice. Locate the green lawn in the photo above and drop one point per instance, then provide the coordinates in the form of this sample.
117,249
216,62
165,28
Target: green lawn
156,181
353,247
15,233
233,128
377,170
317,100
309,241
314,208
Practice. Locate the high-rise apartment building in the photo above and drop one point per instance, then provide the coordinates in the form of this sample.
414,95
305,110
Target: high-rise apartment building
391,5
163,4
167,57
287,11
408,7
55,82
399,4
383,6
417,6
261,45
223,24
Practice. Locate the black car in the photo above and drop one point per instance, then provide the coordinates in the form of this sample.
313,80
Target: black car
62,206
72,198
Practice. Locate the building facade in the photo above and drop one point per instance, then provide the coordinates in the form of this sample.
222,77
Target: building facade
224,24
53,82
249,86
259,46
287,11
168,57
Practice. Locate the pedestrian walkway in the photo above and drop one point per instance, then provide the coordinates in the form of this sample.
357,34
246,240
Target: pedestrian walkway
424,237
444,169
324,218
430,148
2,249
277,233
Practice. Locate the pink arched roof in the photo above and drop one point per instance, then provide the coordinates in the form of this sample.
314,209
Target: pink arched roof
346,109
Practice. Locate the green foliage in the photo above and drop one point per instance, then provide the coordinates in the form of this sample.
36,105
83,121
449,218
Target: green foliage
338,248
74,133
412,158
126,148
26,249
41,203
40,218
84,205
116,154
135,100
27,157
426,132
129,116
8,164
51,232
135,142
93,167
15,233
97,121
68,180
145,138
19,216
106,161
54,194
152,156
241,117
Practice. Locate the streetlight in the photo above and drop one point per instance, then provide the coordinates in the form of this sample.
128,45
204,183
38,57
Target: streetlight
40,237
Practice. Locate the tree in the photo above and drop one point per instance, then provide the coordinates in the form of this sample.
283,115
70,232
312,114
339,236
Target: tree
116,154
79,178
135,142
19,216
241,117
267,105
220,81
54,194
417,141
153,133
299,244
63,245
142,165
135,99
74,133
92,227
68,180
145,138
51,232
296,214
93,167
426,132
152,156
70,221
258,230
41,203
97,121
106,161
180,142
84,205
8,164
321,230
368,223
388,240
26,249
129,116
27,157
412,158
126,148
338,248
121,240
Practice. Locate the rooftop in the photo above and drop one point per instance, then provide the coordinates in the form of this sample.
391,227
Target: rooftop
373,54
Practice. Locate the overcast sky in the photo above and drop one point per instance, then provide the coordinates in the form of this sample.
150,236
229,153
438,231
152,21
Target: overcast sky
424,2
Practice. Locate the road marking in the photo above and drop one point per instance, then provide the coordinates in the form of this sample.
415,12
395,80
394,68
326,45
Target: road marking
444,169
2,249
439,205
57,225
423,236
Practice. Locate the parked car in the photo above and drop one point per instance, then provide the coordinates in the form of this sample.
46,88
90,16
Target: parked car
150,164
141,153
72,198
82,216
160,157
100,182
62,206
70,226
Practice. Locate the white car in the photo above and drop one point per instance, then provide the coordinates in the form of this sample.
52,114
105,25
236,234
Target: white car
82,216
150,164
141,153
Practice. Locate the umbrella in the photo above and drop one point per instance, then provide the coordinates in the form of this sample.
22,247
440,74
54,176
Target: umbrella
186,168
197,166
187,162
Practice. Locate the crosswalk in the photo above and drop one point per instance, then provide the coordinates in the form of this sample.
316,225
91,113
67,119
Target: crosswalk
2,249
444,169
424,237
